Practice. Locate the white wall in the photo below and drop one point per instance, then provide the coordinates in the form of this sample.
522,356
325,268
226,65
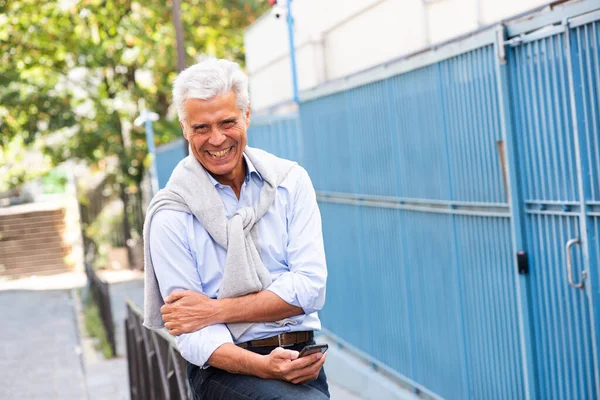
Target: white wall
450,18
388,29
335,38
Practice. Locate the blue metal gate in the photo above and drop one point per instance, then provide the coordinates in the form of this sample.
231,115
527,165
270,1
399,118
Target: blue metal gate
554,84
450,183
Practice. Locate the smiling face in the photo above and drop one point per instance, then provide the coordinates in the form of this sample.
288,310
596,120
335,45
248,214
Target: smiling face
216,129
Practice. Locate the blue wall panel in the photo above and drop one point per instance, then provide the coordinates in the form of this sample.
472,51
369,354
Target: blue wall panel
279,136
438,350
543,120
420,144
586,49
327,144
385,282
472,123
167,158
344,273
489,301
371,138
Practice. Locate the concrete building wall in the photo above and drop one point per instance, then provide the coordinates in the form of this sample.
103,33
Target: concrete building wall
335,38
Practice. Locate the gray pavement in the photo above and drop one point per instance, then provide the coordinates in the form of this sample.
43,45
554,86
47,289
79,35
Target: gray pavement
119,291
39,346
109,379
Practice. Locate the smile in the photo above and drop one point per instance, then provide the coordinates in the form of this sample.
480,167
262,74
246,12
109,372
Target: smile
220,154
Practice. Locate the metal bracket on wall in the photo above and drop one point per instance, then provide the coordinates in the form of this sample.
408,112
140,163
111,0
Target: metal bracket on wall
501,50
537,34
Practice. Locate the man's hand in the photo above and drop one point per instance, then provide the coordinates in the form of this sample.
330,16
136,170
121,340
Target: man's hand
186,311
286,366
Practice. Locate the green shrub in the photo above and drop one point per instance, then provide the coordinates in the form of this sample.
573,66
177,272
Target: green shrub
95,328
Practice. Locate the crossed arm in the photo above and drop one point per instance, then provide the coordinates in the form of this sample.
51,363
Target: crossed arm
187,311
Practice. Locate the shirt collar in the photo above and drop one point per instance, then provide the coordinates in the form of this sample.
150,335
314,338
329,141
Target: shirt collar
250,169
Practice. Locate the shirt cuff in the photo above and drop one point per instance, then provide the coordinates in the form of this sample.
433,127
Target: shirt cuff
306,298
197,347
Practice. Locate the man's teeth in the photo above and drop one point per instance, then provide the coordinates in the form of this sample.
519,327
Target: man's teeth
218,154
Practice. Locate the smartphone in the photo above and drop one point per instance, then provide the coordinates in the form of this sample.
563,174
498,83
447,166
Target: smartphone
312,349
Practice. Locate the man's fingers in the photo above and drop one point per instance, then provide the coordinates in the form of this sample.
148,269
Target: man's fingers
282,353
304,362
309,373
305,367
166,313
173,328
165,309
306,375
303,379
174,296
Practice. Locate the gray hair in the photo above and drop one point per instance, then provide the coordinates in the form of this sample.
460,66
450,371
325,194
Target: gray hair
210,78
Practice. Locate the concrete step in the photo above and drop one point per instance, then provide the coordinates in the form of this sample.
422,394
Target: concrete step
31,228
15,221
32,214
23,247
50,269
33,260
34,228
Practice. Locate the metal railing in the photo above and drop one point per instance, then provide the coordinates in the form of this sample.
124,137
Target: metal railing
156,368
100,293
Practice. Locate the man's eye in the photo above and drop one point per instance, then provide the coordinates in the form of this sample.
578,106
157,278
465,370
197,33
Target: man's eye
201,129
228,124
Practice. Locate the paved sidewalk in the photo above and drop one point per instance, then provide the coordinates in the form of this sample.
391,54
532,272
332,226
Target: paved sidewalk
39,346
109,379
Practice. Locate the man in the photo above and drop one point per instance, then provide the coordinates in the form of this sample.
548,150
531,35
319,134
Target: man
234,247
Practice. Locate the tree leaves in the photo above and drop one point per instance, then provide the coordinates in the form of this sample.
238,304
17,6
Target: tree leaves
75,73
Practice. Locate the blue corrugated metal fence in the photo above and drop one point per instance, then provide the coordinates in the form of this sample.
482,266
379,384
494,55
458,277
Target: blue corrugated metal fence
432,173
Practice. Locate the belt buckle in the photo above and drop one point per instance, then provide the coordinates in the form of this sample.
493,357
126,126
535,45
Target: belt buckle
280,340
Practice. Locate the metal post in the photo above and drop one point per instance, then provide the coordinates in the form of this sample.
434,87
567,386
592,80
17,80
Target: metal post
147,117
515,201
290,22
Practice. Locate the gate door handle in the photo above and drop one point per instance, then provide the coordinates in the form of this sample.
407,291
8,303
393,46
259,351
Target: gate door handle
579,285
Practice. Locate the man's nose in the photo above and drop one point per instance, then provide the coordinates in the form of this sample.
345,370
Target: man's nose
216,138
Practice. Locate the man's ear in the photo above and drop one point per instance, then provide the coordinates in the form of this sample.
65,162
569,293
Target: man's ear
248,117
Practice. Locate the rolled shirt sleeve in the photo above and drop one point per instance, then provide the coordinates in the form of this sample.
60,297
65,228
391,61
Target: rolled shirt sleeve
304,284
175,268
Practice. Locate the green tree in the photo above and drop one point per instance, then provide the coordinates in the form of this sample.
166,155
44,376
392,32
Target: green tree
74,73
123,50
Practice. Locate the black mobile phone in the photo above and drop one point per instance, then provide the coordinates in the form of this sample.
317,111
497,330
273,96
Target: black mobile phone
312,349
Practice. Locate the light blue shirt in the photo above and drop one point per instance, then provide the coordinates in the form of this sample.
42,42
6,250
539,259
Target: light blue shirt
291,246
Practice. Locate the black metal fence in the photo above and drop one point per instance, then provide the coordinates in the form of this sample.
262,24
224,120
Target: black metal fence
100,292
156,369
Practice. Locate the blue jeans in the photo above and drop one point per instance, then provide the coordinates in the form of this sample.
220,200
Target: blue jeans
216,384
